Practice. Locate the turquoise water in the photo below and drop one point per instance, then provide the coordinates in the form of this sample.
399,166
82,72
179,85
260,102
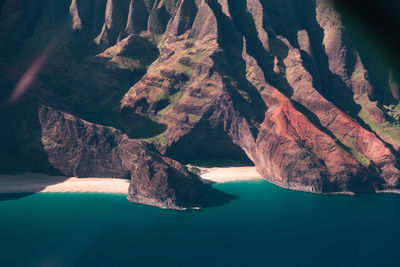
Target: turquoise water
264,226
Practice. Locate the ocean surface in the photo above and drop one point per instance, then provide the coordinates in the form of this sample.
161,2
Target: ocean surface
265,226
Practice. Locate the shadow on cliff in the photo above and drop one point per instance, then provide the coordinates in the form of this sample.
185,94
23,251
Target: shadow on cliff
21,149
245,24
328,84
206,144
231,64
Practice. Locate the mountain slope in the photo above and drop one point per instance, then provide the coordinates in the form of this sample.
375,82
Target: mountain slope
283,84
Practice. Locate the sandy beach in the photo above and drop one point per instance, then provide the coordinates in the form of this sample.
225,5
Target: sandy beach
229,174
38,182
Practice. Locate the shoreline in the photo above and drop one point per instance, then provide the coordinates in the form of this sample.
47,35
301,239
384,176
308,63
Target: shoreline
39,182
343,193
229,174
43,183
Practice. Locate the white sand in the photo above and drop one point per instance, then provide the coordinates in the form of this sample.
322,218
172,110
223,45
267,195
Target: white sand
38,182
229,174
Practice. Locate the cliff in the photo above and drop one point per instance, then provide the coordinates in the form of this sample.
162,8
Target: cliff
286,85
81,149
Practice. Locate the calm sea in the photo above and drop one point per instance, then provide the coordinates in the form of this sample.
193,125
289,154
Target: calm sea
264,226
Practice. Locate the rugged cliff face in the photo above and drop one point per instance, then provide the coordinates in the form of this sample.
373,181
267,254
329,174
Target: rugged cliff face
82,149
292,94
284,84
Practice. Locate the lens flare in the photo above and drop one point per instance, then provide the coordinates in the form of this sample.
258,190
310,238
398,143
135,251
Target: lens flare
29,76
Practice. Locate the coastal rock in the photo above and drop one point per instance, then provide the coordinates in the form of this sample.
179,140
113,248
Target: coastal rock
163,182
82,149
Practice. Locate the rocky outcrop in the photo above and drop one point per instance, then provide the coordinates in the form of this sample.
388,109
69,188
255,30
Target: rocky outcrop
163,182
82,149
78,148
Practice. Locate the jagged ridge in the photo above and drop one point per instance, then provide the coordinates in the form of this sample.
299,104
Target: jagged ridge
281,84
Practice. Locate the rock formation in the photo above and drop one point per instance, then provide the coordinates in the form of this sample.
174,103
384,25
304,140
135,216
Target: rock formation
82,149
270,103
281,83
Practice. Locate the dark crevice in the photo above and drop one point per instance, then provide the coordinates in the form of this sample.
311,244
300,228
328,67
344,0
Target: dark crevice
281,18
331,86
244,23
158,20
247,99
187,16
310,65
137,17
206,142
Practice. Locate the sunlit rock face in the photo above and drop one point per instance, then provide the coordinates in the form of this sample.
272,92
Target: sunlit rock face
280,83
